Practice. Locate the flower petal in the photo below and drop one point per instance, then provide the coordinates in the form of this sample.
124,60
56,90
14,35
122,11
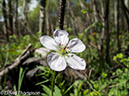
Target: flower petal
48,42
76,62
62,40
56,62
61,37
59,32
76,45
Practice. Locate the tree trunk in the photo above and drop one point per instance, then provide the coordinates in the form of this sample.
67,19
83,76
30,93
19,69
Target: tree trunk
5,21
42,16
71,16
103,23
116,14
10,16
47,17
62,13
107,32
95,11
25,12
96,21
126,3
125,12
94,5
16,17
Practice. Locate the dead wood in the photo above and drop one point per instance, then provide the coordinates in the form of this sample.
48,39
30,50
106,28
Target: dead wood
18,61
31,73
31,63
34,61
24,52
7,69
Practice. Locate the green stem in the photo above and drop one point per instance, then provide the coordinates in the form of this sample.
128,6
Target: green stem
53,81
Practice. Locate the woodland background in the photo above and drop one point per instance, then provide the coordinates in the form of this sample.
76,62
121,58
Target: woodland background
103,26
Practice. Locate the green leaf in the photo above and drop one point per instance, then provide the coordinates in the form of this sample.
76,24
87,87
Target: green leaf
79,87
57,91
21,76
119,55
104,75
68,89
87,29
45,69
42,82
83,11
86,91
44,94
114,58
47,90
69,29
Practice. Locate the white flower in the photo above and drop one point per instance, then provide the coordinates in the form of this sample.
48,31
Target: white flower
57,60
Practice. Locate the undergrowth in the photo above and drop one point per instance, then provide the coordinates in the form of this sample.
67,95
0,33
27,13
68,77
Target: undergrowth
101,79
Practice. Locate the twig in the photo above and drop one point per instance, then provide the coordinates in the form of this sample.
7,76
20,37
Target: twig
90,72
79,75
93,44
121,64
118,84
112,68
24,52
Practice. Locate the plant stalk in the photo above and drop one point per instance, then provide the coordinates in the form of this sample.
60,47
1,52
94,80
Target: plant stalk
53,82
